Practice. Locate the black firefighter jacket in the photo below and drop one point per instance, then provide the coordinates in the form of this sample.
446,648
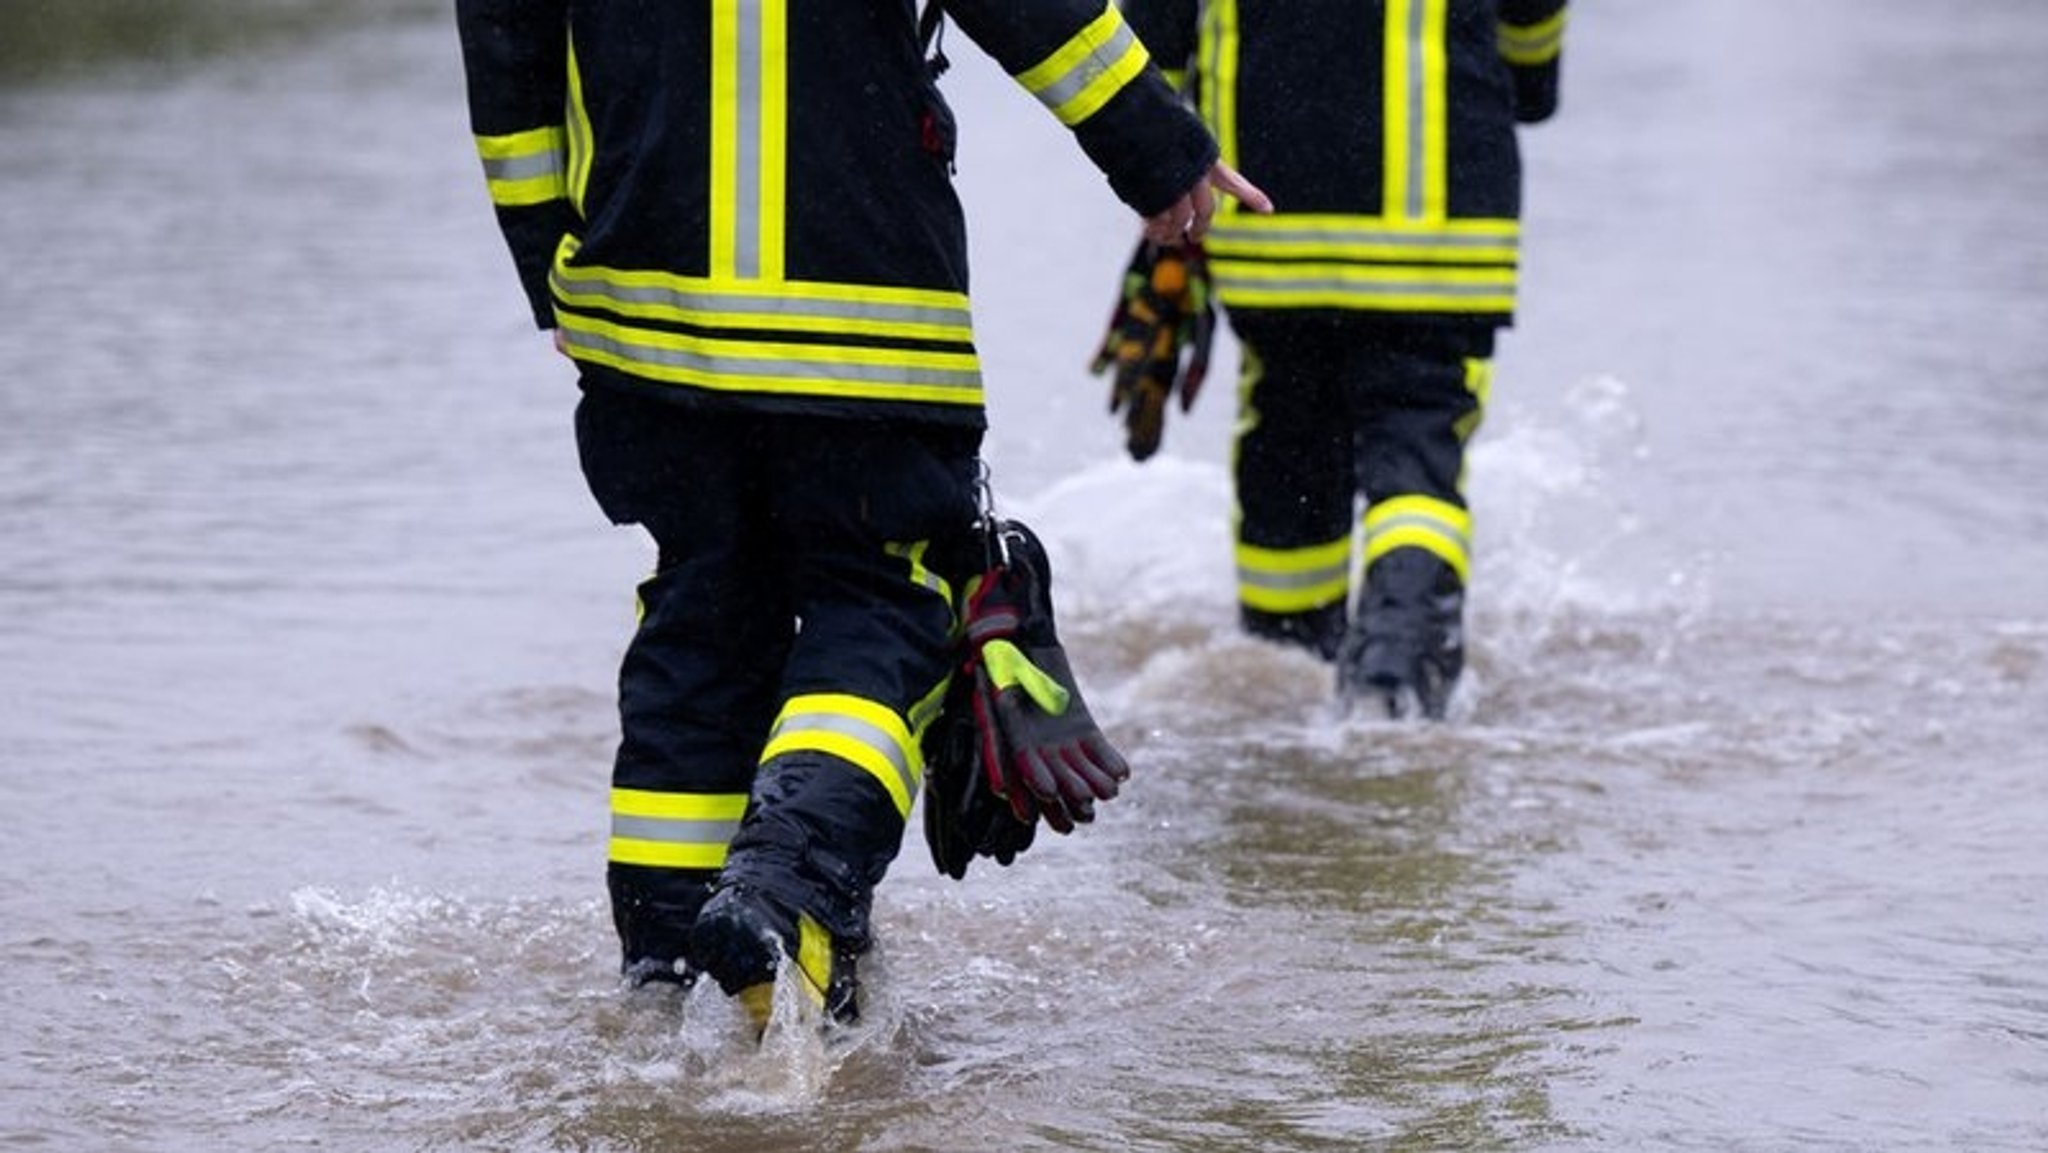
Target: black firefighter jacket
1384,131
750,202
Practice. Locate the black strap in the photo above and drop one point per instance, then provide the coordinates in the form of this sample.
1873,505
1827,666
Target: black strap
931,26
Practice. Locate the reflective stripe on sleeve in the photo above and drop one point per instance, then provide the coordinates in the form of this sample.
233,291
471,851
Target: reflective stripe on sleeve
1084,73
525,168
1532,44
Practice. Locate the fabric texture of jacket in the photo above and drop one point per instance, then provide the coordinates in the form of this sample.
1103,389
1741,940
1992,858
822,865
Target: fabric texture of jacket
750,202
1384,131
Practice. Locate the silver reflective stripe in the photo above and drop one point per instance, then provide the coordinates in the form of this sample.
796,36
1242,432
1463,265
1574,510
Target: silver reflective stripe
1313,236
1430,524
677,832
1346,286
746,198
717,306
1292,581
1418,92
524,167
1532,43
1095,64
770,367
995,624
873,737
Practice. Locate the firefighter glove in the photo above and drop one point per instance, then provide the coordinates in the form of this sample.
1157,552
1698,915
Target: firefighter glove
963,819
1014,741
1041,750
1158,341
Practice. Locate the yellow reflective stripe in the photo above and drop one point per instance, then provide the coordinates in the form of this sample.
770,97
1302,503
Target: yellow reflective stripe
1478,382
1334,236
1532,44
850,372
1415,113
840,309
524,168
1396,96
1369,287
1293,580
1436,526
725,132
1433,113
867,735
772,147
913,553
1218,89
925,709
1081,75
814,958
674,830
749,79
582,146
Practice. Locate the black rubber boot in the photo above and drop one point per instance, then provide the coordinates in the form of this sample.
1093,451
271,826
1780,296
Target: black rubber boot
1320,631
743,937
653,910
1406,647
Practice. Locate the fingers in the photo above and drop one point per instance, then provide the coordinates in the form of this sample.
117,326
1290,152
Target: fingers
1204,202
1229,180
1187,219
1171,226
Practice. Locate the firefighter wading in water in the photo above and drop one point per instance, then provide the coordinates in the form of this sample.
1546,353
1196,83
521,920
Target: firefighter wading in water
739,219
1366,306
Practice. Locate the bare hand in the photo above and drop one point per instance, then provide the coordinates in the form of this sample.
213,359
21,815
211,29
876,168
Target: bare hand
1187,219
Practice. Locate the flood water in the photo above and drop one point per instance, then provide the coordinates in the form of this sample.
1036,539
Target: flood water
1736,840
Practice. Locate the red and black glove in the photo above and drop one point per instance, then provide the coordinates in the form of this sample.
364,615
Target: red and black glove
1036,751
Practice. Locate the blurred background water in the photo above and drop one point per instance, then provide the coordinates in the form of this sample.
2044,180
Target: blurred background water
308,631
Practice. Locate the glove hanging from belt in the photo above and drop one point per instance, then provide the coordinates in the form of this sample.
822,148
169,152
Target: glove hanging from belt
1158,340
1014,741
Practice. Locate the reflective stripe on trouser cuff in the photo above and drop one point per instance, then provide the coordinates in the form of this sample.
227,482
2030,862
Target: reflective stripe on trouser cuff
869,736
526,167
1085,72
674,830
1436,526
1293,580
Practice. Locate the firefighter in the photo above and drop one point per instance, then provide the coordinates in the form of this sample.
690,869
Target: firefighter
1366,307
738,219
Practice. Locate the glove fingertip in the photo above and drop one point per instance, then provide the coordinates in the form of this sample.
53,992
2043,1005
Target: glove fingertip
1104,755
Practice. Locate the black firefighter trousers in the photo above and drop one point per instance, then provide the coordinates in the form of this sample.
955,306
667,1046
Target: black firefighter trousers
1336,407
793,643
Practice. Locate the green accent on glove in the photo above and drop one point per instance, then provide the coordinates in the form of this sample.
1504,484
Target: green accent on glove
1009,668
